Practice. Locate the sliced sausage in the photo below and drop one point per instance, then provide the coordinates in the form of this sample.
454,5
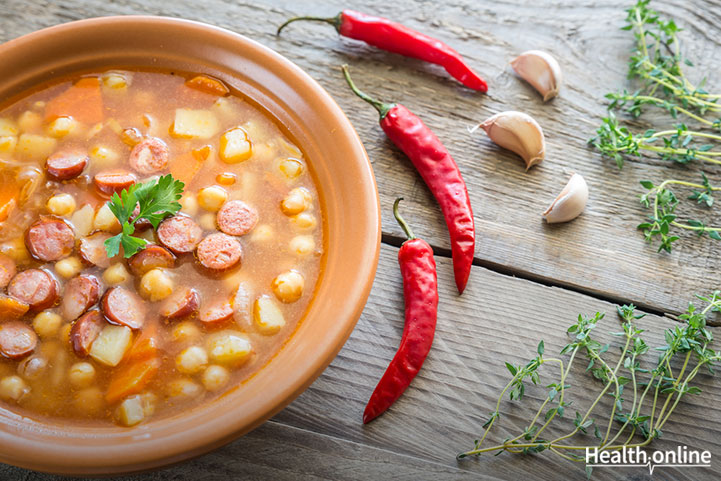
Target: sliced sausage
34,287
181,304
180,234
81,293
121,306
85,330
237,218
66,164
11,308
216,315
17,340
112,181
149,156
149,258
219,252
92,249
8,269
49,239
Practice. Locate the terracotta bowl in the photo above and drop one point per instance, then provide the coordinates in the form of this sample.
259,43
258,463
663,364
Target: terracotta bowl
349,201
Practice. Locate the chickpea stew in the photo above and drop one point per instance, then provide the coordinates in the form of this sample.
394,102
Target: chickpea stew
215,291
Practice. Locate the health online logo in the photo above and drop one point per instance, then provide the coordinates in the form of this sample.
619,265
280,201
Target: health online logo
636,457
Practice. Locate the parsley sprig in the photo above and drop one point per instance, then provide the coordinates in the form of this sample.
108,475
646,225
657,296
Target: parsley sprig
643,397
155,200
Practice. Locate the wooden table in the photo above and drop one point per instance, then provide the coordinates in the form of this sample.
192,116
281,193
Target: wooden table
529,280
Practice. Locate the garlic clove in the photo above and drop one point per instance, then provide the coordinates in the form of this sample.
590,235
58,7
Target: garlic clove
540,70
569,203
517,132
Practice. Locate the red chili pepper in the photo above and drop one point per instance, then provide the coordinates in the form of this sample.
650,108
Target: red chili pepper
394,37
420,290
440,173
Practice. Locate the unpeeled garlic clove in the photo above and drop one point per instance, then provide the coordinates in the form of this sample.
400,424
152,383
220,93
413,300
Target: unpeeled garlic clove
541,70
517,132
569,203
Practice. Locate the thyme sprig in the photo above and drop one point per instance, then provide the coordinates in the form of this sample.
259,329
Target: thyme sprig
635,418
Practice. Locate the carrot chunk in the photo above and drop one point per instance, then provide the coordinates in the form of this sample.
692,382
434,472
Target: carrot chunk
82,101
145,346
185,167
208,85
131,378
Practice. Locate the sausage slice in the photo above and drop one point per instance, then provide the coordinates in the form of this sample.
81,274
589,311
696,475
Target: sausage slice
216,314
66,164
111,181
149,258
92,249
180,234
34,287
150,155
219,252
8,269
17,340
11,308
81,293
121,306
237,218
85,330
49,239
180,304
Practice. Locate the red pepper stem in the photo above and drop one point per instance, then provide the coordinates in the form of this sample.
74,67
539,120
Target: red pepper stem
404,225
381,107
335,21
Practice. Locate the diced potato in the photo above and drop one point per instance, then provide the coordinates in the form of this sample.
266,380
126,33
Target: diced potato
257,131
212,198
298,200
16,250
131,411
47,324
82,374
156,285
207,221
30,121
69,267
267,316
103,157
8,143
288,286
189,204
263,152
82,220
194,124
115,126
302,245
185,332
61,204
110,346
35,147
262,233
89,401
224,108
291,168
304,221
235,146
94,130
13,388
116,274
191,360
8,128
215,378
229,347
61,126
106,221
183,389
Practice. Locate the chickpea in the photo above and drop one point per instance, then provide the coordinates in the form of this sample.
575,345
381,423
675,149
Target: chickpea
297,201
69,267
13,388
207,221
62,126
215,377
61,204
288,286
16,250
184,388
116,274
101,156
192,360
82,374
33,367
302,245
291,168
65,333
304,221
115,81
212,198
156,285
189,204
185,332
8,144
105,220
30,121
262,233
229,347
46,324
89,400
